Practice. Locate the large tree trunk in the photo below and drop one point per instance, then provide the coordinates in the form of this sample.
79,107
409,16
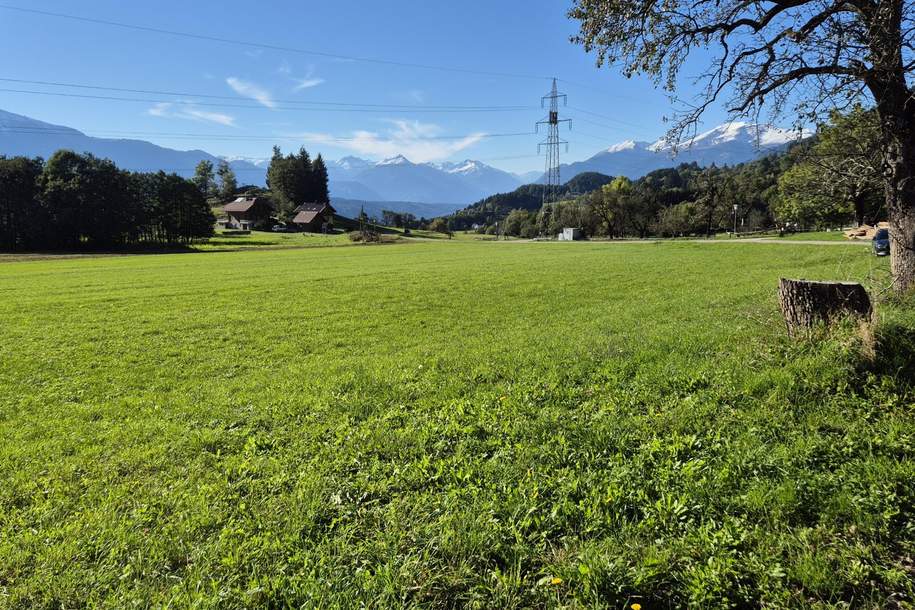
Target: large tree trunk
899,186
858,202
896,110
902,248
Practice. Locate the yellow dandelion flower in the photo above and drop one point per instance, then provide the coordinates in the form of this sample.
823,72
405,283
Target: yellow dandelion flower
556,581
636,606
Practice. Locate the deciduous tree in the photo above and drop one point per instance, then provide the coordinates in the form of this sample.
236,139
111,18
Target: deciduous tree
775,55
204,178
228,184
82,196
839,174
22,218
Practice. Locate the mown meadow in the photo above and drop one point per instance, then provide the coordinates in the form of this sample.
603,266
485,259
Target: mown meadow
451,424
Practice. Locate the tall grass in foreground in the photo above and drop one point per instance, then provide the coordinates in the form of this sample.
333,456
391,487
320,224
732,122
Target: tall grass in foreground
450,425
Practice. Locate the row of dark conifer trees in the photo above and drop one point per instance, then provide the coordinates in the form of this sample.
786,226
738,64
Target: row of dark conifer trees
295,179
77,200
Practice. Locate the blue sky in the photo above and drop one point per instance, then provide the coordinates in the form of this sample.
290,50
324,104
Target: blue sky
272,88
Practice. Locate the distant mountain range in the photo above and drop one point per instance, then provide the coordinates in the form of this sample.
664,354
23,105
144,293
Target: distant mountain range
374,209
435,188
20,135
724,145
397,183
399,179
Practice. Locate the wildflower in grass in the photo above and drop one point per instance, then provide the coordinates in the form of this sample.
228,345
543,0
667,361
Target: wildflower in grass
636,606
556,581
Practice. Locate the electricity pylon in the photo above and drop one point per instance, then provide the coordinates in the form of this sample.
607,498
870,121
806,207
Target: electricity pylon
552,144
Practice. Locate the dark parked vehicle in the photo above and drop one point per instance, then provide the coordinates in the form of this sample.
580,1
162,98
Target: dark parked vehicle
882,242
280,229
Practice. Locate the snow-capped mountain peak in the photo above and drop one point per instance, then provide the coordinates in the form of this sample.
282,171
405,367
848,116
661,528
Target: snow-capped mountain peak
466,167
737,133
256,162
352,163
398,160
727,144
774,136
726,133
627,145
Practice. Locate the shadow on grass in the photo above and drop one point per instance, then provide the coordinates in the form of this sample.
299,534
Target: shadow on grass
894,352
235,243
8,256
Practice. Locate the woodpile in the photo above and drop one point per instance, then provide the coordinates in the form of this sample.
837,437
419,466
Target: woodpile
866,231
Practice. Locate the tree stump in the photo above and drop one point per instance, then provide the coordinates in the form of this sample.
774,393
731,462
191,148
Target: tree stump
805,304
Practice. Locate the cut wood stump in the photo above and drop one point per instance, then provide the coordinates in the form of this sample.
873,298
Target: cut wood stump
806,304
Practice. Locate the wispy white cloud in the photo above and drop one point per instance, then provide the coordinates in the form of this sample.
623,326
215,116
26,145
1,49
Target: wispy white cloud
417,96
191,113
251,90
413,139
162,110
306,83
309,81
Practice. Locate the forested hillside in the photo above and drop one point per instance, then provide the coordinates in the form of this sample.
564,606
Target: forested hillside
528,197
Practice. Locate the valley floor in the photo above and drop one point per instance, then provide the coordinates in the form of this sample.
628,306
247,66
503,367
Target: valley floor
451,425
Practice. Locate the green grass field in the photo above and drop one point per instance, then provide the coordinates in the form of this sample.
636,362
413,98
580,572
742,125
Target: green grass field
450,424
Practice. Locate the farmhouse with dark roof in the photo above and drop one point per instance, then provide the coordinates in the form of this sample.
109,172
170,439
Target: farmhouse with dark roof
247,213
314,217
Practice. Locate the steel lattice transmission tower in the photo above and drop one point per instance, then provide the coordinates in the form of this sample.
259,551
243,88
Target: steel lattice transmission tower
552,143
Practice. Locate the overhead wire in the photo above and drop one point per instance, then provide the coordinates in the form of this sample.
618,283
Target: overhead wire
252,106
288,105
607,117
277,101
63,131
266,46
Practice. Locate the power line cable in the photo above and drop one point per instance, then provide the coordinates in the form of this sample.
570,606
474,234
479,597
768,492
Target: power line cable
237,98
512,158
270,47
252,106
308,137
608,118
598,124
592,136
606,92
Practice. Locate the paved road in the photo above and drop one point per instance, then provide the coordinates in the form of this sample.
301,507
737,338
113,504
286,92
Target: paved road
754,240
785,242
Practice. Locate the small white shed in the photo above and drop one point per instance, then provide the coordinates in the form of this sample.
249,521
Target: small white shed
570,234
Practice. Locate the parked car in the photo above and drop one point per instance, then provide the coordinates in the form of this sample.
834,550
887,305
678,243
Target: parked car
280,229
882,242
